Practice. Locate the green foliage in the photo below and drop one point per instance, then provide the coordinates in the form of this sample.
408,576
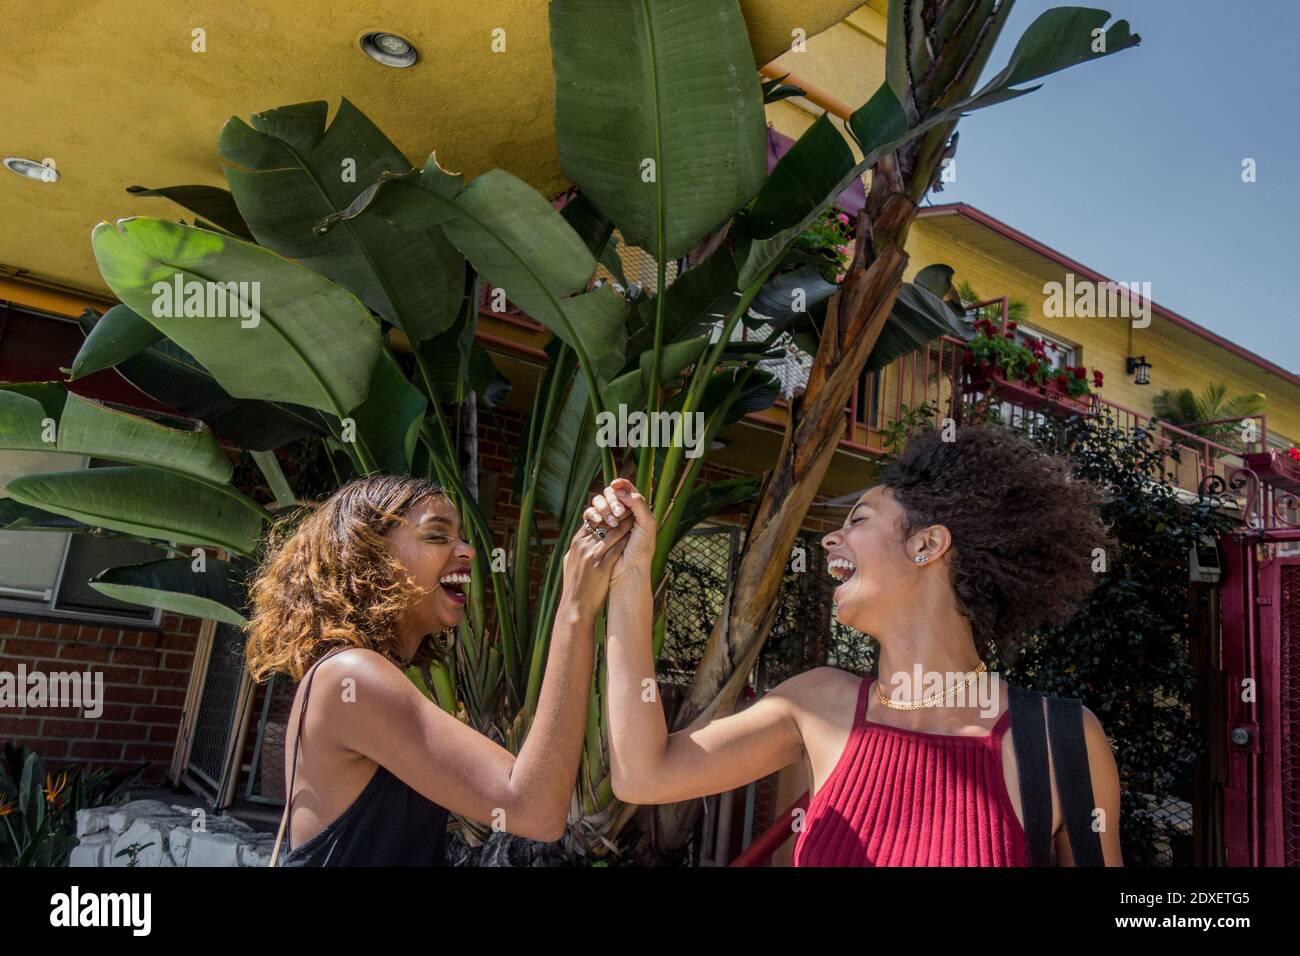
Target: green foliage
1125,652
38,810
1186,409
992,352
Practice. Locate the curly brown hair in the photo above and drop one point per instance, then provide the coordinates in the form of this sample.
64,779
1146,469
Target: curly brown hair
1024,528
328,579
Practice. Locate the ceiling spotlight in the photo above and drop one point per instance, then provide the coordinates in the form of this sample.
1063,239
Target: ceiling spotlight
389,49
31,169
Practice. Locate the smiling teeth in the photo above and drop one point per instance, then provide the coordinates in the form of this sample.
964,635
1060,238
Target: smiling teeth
840,568
454,579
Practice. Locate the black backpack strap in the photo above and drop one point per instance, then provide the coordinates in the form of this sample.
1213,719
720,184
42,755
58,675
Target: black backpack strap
1029,739
1073,778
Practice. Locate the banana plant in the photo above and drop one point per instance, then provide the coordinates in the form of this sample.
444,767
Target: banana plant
353,283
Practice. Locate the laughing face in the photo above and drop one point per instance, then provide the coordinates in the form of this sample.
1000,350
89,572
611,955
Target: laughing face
428,544
876,568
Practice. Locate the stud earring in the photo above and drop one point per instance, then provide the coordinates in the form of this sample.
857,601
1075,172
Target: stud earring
919,559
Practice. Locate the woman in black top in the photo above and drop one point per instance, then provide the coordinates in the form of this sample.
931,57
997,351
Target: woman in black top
348,598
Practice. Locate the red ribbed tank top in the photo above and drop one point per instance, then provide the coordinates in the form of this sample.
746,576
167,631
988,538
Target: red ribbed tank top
910,798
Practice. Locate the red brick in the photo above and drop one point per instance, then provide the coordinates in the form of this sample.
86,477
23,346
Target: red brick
69,728
45,747
142,751
119,731
168,698
97,749
19,725
132,655
130,695
157,715
149,639
177,661
162,734
25,648
176,642
120,675
155,678
26,627
55,712
97,653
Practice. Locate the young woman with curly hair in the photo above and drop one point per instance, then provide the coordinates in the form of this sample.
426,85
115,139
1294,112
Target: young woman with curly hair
961,543
350,596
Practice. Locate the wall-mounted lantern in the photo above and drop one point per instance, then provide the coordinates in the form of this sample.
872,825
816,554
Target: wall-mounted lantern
1140,369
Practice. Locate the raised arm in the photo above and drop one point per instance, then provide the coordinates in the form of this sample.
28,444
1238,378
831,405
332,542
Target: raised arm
649,765
389,721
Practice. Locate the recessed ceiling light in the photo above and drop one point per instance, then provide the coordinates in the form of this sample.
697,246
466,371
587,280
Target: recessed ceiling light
389,49
31,169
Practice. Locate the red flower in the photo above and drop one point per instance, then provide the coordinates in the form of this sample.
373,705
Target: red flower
967,357
1011,325
1080,372
1096,378
1293,454
1063,380
983,366
1032,368
1008,335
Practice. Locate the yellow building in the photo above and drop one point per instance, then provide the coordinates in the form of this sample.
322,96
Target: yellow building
120,95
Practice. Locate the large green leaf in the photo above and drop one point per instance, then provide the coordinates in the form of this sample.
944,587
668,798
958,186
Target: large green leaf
389,419
785,208
20,517
708,498
146,502
570,454
669,83
83,427
296,172
119,334
213,204
918,317
173,585
167,373
517,242
310,343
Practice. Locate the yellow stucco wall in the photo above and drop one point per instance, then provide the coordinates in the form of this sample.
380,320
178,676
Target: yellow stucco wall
116,95
1179,358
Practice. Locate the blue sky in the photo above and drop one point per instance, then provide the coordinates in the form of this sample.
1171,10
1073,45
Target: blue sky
1132,164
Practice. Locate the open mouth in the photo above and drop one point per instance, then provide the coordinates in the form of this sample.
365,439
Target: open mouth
454,585
841,569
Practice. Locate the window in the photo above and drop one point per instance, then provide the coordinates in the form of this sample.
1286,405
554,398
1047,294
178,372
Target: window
48,572
1058,353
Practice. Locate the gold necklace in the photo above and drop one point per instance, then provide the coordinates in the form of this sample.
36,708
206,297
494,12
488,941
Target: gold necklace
933,699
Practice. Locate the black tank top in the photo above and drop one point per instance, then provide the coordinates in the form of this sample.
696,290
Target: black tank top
389,823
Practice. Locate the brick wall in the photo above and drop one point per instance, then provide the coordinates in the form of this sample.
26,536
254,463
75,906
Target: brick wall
145,673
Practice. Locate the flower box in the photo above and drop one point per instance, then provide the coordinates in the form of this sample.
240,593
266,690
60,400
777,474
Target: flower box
1274,467
1028,396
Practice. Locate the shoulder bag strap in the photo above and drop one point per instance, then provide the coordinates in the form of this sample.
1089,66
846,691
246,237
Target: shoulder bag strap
1073,778
293,772
1029,739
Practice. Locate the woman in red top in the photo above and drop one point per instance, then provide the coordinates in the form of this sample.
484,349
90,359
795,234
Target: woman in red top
961,543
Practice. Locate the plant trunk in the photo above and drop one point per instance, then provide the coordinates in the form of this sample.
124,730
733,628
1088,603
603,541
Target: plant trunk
855,317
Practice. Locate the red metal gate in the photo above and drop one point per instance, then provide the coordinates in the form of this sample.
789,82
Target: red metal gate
1261,671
